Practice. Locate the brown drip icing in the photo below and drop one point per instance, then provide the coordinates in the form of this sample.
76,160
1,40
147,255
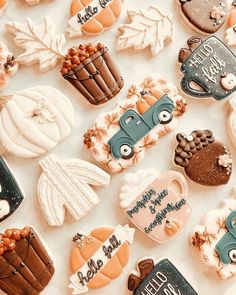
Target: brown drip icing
27,269
187,148
145,267
192,43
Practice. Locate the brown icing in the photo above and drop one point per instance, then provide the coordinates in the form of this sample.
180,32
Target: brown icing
91,70
200,155
27,268
207,16
145,267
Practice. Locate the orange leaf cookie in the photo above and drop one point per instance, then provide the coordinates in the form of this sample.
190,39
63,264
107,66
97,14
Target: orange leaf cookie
99,258
92,17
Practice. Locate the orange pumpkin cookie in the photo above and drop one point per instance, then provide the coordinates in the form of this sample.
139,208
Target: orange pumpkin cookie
99,258
92,17
3,5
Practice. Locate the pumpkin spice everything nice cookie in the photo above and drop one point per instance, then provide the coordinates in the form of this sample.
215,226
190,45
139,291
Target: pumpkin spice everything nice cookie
99,257
89,68
118,139
156,203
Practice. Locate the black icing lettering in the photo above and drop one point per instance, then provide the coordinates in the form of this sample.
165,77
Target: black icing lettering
94,267
114,244
89,13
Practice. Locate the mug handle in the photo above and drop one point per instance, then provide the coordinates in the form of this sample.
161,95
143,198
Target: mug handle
185,84
177,176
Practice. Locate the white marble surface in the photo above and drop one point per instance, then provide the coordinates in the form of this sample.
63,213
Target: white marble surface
202,114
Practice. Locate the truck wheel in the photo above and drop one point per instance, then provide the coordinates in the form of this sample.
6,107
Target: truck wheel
232,255
165,117
126,151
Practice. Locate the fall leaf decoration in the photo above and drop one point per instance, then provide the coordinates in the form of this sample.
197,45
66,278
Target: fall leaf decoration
41,44
111,119
148,27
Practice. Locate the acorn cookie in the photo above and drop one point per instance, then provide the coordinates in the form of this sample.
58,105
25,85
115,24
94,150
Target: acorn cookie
205,160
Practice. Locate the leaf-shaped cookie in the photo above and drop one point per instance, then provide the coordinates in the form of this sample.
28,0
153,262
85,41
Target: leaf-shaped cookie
148,27
41,44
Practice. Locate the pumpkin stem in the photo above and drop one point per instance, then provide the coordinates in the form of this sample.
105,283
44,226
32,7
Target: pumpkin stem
3,101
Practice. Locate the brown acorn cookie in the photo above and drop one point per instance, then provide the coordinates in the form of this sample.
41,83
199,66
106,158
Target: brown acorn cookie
205,161
205,16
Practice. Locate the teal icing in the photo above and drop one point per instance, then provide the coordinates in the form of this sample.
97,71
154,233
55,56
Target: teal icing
226,247
133,127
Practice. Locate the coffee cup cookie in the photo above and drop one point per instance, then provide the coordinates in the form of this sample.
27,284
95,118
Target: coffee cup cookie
208,67
156,203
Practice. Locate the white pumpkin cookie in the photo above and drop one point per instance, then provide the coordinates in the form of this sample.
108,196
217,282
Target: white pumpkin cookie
33,121
66,183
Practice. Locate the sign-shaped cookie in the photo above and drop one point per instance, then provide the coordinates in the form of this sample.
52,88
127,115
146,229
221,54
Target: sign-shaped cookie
211,65
215,240
11,195
205,16
118,139
154,204
99,258
205,160
158,278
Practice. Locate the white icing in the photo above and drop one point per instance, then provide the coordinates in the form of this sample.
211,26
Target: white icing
40,42
231,36
122,234
74,27
134,184
23,135
214,227
32,2
231,124
148,27
66,183
4,208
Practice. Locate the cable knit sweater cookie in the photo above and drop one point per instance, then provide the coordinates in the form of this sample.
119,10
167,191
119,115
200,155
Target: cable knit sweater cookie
205,160
66,184
215,239
118,139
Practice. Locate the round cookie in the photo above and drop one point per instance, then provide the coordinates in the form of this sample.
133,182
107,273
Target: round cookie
205,160
92,17
204,16
99,258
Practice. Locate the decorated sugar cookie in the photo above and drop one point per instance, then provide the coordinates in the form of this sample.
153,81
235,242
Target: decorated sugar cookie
231,30
153,203
231,124
8,66
99,257
215,239
34,120
92,17
118,139
204,16
93,72
205,160
32,2
3,6
148,27
159,277
210,65
41,44
25,265
11,195
66,184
